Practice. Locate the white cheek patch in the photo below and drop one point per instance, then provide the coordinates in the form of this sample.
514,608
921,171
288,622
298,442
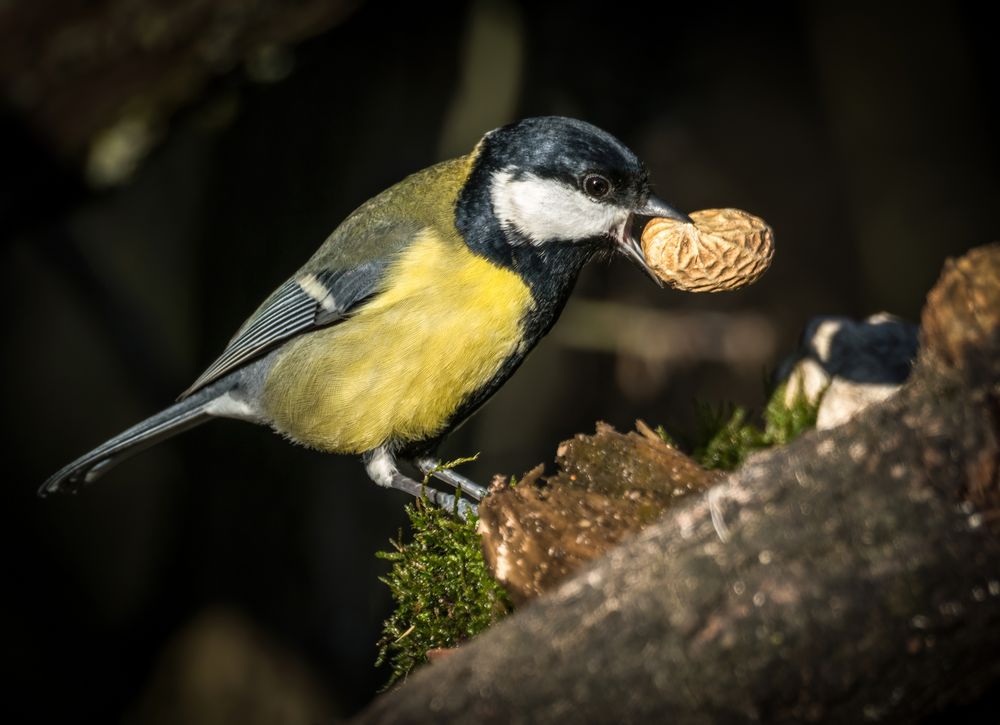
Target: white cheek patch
545,210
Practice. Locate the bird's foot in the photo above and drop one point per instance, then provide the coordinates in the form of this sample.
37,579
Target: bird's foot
446,501
381,467
432,467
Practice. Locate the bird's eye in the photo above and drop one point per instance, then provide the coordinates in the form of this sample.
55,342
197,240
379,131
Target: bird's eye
596,186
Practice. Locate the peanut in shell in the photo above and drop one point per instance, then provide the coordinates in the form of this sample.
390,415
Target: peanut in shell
724,249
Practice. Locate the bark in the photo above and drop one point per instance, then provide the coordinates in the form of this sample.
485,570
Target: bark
852,575
610,486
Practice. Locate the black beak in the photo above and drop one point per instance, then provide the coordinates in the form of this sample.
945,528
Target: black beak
655,207
630,244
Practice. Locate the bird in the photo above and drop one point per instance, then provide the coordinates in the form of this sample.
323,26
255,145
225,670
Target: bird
419,305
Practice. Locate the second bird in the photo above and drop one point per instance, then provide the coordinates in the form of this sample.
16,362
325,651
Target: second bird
420,305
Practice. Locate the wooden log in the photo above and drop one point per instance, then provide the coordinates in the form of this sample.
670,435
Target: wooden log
851,576
610,485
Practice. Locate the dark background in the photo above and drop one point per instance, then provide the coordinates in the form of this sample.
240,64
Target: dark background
230,576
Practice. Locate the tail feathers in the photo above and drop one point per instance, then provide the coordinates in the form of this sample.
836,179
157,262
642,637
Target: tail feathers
167,423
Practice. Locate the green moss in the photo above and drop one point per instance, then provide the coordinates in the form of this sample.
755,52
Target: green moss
665,436
785,423
443,591
727,437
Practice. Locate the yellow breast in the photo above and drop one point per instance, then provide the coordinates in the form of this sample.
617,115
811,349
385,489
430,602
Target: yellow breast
445,321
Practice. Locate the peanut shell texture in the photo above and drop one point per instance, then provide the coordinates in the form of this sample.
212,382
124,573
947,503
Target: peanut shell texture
724,249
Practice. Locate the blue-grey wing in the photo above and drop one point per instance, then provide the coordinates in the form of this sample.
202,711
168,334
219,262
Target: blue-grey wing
309,300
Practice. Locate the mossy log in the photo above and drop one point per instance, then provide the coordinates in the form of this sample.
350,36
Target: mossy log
852,575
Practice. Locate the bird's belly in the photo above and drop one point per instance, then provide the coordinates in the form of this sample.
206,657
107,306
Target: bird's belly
404,363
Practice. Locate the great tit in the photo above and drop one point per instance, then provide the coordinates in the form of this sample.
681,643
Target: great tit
420,305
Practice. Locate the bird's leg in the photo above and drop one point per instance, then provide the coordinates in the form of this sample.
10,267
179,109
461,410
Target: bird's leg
381,468
430,467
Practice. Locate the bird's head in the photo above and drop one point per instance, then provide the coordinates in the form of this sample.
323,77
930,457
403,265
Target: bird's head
558,180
